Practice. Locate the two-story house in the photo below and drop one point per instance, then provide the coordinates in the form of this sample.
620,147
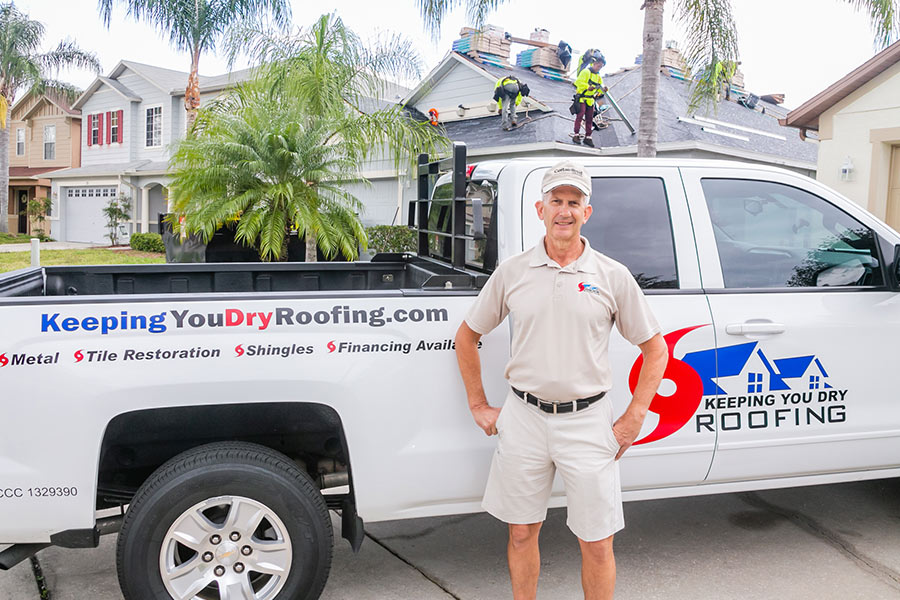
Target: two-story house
44,136
131,118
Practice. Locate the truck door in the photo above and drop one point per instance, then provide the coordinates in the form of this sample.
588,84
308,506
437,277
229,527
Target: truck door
795,280
641,219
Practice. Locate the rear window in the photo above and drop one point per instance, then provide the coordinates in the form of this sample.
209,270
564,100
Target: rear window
481,254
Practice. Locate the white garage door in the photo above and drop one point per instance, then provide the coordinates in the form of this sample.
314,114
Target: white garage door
85,221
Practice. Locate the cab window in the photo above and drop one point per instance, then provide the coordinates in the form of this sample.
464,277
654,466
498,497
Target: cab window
772,235
631,224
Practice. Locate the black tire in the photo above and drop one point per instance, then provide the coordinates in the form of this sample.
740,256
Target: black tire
227,469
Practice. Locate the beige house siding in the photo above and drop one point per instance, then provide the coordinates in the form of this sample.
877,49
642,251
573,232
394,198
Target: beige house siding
863,127
68,136
40,112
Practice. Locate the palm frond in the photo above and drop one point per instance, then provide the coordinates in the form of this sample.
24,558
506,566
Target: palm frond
711,45
884,18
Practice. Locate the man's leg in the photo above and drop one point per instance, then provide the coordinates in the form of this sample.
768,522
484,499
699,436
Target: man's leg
598,569
588,120
524,560
504,114
578,117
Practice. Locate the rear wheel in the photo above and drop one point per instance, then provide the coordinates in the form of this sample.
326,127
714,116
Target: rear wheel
224,521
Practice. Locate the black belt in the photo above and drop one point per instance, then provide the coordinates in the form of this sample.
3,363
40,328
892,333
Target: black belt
558,407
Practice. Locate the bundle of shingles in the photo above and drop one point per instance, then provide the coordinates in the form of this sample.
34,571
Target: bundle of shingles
544,62
488,46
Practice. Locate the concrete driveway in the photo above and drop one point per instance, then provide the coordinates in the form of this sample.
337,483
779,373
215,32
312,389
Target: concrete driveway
838,542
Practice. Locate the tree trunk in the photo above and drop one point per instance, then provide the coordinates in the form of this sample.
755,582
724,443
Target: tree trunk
4,175
311,246
650,64
192,92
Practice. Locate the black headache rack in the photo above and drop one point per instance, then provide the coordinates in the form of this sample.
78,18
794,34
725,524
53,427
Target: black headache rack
427,174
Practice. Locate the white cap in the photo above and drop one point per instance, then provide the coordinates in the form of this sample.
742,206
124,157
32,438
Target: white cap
567,172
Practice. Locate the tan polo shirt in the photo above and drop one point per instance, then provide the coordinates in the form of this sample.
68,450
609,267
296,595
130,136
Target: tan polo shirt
561,320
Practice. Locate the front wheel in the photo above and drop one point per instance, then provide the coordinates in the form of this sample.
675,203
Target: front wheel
229,520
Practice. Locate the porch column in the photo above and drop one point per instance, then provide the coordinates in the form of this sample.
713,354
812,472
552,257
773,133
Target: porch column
145,210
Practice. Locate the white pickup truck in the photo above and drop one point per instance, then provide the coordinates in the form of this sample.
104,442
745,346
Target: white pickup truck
230,406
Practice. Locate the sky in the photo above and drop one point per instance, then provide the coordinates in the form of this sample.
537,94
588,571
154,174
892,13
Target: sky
794,47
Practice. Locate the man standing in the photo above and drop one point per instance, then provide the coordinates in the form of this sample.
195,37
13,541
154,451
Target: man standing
588,87
508,92
563,298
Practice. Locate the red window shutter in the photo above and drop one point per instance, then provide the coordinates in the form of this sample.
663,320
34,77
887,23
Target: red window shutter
89,128
121,125
109,139
100,129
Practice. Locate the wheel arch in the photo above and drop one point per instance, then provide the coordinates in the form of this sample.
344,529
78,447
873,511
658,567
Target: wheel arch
136,443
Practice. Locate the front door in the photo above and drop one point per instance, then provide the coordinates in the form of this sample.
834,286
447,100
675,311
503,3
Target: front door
804,368
22,210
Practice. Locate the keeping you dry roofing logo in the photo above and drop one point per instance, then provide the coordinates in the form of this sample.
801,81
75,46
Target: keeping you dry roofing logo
784,392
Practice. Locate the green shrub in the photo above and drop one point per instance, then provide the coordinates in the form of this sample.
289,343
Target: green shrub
391,238
147,242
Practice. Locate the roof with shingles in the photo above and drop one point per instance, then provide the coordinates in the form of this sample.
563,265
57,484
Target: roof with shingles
625,87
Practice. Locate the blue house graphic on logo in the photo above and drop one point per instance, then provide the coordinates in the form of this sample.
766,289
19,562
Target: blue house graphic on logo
732,360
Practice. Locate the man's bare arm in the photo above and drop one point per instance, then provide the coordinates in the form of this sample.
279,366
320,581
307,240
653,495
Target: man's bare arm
470,368
628,426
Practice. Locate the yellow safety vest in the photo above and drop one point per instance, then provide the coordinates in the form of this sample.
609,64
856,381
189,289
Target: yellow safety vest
583,82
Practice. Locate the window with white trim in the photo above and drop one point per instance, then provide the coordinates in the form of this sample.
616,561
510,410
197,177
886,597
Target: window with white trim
94,129
154,127
20,142
91,192
49,142
114,127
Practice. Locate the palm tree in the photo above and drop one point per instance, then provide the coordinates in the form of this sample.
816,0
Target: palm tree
711,49
22,65
196,26
277,153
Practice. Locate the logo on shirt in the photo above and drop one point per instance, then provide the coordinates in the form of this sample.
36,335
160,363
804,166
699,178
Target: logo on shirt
759,391
587,287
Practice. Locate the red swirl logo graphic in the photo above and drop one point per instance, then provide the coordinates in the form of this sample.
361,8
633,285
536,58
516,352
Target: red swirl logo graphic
331,347
580,287
79,356
239,350
676,410
3,360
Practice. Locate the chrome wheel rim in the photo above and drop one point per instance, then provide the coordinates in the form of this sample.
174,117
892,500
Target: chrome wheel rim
226,548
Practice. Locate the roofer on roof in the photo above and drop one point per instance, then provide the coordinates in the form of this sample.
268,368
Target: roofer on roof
508,94
588,87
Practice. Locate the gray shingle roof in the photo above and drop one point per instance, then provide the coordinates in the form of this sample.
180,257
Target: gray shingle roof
674,96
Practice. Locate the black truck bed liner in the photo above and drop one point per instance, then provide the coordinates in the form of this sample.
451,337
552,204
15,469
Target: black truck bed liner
384,272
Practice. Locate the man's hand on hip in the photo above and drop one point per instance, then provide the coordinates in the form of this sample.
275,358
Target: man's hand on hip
485,417
626,429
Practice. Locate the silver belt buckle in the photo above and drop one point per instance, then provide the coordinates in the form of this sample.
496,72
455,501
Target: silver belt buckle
555,406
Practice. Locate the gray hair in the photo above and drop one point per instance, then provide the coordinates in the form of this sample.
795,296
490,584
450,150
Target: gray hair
546,195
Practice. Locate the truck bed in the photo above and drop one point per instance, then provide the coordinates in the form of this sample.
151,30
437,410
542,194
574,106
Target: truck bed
383,272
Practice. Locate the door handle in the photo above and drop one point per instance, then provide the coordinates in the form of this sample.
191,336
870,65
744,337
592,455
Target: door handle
754,328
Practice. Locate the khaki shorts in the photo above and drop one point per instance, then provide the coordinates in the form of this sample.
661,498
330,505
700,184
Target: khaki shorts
534,444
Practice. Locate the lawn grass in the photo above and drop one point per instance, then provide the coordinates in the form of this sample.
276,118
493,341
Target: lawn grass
10,261
15,238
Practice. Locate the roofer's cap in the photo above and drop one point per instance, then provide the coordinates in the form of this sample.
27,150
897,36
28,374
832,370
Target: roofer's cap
567,172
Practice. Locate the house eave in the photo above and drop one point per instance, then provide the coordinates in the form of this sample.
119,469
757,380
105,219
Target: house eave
806,116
